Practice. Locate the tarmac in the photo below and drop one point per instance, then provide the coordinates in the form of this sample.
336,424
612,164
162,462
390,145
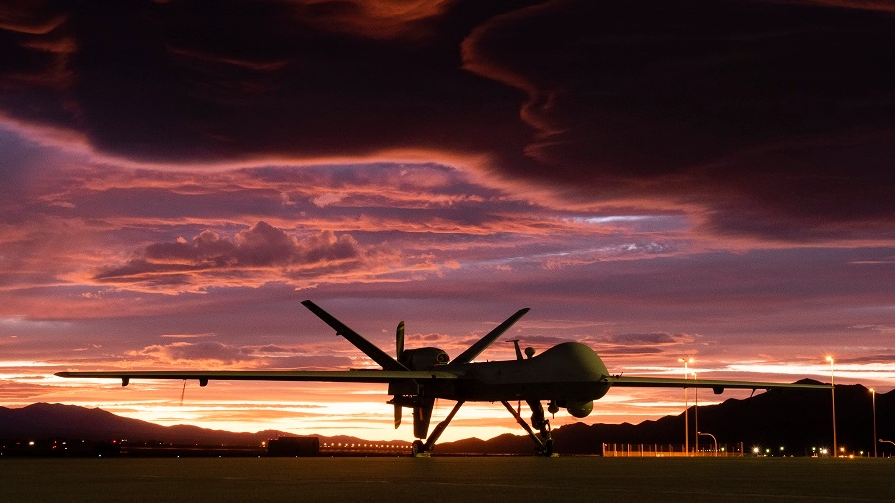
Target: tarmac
483,479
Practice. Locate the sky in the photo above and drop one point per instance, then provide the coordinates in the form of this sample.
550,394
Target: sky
656,179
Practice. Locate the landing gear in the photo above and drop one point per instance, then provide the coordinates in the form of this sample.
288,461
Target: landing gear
423,449
544,442
543,439
417,448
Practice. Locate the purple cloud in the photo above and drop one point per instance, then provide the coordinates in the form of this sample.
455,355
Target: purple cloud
258,254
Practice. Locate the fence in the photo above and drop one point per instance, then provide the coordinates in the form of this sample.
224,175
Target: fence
670,450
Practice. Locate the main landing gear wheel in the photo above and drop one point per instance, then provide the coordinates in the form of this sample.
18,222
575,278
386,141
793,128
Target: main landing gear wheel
418,448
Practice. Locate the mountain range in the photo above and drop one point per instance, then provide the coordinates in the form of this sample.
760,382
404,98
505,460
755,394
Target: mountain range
42,421
796,420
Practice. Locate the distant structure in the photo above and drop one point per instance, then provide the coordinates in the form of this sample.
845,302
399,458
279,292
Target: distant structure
294,447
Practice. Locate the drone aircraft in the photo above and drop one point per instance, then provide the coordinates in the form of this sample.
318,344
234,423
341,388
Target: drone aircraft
569,375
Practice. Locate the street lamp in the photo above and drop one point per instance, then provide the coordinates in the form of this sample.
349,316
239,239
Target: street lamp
833,395
886,441
873,401
686,361
696,416
713,438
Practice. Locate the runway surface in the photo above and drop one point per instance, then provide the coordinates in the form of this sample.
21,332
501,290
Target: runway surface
481,479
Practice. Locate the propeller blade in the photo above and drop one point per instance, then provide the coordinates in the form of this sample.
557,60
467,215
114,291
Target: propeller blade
399,341
397,416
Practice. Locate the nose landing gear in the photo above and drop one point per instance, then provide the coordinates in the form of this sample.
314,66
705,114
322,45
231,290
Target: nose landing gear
544,442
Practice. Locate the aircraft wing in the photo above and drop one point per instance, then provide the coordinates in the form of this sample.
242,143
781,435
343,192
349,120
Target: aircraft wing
717,385
370,376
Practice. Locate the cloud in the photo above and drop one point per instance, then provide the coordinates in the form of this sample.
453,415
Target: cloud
877,359
187,336
735,112
187,78
181,352
254,256
732,106
648,339
210,353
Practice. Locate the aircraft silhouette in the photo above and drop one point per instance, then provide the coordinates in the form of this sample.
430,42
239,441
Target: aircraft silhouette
569,375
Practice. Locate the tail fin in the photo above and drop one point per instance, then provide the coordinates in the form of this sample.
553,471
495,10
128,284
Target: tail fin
474,350
377,355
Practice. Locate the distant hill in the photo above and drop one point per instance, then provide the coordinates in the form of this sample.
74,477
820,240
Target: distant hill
46,421
796,419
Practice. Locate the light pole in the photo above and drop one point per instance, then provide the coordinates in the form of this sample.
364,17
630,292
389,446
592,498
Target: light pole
833,395
713,438
873,401
696,416
685,361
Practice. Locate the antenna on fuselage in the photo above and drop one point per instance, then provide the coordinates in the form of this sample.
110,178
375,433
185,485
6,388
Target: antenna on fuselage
518,351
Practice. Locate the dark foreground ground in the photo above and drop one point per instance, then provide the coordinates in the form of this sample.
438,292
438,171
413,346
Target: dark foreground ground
486,480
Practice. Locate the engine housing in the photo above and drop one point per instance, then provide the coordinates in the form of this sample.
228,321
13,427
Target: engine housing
423,358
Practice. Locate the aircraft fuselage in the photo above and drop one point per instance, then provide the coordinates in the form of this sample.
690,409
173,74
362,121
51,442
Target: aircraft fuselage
569,371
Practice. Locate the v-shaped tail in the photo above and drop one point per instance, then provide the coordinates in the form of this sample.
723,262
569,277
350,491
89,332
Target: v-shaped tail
474,350
377,355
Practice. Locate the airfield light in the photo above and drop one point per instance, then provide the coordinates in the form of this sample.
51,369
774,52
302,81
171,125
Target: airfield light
833,396
686,361
873,401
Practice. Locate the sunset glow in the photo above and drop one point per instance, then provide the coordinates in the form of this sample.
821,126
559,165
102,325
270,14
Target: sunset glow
177,177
